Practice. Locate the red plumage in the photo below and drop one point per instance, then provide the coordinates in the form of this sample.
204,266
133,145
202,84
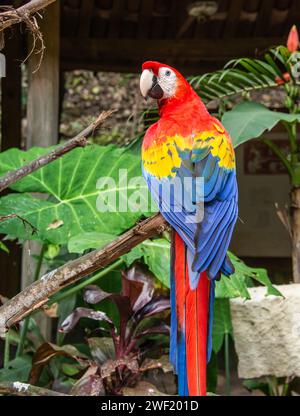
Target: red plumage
187,142
197,305
192,314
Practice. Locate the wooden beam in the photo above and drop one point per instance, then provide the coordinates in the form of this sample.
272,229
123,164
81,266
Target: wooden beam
10,264
43,116
184,20
86,11
114,25
263,20
134,66
11,92
293,16
144,19
43,84
172,21
233,17
196,50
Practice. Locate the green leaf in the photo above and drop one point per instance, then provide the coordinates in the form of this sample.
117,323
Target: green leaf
136,253
261,276
258,274
212,373
156,254
257,384
222,323
71,185
3,247
237,284
17,370
244,75
81,242
232,287
250,120
70,369
225,289
52,251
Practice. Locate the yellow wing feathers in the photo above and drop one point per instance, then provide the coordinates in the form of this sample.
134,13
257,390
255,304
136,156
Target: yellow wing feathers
163,156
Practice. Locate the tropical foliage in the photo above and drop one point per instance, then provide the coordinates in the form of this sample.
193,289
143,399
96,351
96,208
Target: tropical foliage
58,206
279,68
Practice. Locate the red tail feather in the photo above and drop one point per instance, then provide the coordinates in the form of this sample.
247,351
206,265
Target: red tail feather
180,279
197,305
192,309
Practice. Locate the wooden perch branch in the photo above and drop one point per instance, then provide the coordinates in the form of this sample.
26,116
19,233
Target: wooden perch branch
38,293
13,16
79,140
23,389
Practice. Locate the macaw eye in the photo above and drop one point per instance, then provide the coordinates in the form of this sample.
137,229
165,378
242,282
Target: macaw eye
167,73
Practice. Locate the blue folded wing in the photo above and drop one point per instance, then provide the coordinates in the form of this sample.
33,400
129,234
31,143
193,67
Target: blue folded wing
207,240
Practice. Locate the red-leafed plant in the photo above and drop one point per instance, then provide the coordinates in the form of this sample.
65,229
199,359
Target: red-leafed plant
119,355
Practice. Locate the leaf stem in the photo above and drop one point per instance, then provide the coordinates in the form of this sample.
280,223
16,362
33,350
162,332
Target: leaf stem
25,326
286,387
292,133
6,356
60,296
273,386
227,364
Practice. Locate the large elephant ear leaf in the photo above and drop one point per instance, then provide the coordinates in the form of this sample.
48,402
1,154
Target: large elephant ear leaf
156,254
243,277
250,120
222,323
83,188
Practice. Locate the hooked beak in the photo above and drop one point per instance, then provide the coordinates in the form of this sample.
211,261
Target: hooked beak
149,85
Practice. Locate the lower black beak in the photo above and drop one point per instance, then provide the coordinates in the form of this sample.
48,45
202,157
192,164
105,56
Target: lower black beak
156,91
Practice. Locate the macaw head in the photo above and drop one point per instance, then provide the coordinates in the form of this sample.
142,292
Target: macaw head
161,82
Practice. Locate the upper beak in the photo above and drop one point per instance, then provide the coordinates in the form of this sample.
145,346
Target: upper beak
149,85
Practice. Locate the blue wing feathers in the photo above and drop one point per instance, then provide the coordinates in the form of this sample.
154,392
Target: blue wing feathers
208,240
211,242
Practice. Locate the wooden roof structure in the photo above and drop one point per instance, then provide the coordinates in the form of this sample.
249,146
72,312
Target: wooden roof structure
193,35
119,34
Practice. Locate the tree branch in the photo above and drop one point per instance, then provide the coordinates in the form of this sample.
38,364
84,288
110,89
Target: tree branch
38,293
13,16
23,389
79,140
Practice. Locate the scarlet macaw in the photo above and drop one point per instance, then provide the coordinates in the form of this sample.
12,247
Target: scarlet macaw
187,142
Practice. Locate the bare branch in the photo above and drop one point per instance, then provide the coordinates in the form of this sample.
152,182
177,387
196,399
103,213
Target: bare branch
38,293
13,16
23,389
79,140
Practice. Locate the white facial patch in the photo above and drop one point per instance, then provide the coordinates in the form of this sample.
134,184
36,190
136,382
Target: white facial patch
167,80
